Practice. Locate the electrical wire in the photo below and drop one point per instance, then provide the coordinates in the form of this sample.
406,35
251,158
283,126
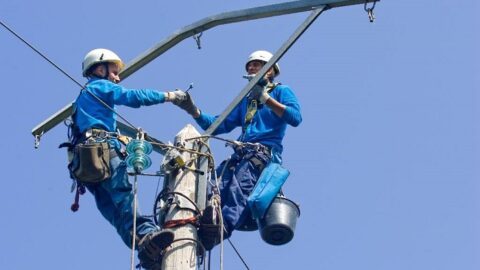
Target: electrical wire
238,253
39,53
65,73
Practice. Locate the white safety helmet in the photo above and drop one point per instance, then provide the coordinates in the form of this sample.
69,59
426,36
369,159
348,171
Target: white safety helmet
100,56
263,56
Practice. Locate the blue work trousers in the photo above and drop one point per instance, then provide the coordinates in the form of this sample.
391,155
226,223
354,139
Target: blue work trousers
240,174
114,199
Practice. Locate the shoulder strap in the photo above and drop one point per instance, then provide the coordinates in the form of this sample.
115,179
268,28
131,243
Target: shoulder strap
252,109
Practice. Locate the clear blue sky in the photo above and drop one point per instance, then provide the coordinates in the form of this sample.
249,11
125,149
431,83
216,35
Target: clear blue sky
384,165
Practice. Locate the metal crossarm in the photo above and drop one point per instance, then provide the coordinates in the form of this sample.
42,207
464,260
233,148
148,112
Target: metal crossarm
198,27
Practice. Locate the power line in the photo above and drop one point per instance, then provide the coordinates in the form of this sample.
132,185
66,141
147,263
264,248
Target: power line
66,74
41,54
238,253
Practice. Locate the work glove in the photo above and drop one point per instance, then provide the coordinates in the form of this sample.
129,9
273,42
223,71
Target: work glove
176,96
260,93
188,105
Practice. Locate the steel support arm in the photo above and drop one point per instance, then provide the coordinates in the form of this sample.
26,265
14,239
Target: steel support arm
198,27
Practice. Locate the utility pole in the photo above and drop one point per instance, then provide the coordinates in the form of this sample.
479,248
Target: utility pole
187,181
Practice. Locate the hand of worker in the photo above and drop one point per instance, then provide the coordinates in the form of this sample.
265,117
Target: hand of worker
263,82
176,96
259,93
189,106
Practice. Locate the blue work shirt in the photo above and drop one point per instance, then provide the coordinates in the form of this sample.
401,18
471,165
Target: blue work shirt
266,127
90,113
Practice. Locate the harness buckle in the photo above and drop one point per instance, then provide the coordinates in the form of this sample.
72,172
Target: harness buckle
95,133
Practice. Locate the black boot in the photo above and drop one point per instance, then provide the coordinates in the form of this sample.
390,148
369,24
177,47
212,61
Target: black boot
152,247
209,230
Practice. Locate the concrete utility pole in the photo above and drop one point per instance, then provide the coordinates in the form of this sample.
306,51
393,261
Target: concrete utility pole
183,253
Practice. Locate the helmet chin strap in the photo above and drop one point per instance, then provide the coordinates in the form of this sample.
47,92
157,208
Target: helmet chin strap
107,71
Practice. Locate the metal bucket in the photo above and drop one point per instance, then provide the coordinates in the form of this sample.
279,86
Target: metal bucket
277,227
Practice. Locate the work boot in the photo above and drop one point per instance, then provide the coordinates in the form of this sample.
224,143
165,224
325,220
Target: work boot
152,247
209,230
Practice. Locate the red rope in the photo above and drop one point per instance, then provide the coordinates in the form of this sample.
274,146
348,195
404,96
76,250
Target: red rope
180,222
76,204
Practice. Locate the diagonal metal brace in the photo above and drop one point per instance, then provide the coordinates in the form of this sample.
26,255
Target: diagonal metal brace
278,54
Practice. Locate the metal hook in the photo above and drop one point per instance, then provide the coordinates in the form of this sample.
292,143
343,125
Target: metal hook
37,140
371,15
140,134
197,39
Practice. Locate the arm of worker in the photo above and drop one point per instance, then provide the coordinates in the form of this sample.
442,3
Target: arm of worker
232,121
283,102
141,97
204,120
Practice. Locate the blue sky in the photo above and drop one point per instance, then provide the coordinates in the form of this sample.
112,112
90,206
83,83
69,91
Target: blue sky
384,164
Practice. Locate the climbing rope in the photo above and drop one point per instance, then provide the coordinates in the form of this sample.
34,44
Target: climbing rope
134,229
216,201
217,179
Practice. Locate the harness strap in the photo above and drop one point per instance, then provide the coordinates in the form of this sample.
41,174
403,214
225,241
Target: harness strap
253,107
250,151
98,133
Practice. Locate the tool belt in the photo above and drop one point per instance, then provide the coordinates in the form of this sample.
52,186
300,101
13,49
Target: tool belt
251,152
91,162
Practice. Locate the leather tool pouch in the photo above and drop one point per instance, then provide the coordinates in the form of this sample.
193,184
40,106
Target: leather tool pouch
91,162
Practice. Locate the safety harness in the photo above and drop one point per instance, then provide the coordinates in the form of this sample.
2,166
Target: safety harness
253,107
89,152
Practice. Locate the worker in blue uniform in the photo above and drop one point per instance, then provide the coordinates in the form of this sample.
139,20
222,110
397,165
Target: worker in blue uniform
263,116
93,120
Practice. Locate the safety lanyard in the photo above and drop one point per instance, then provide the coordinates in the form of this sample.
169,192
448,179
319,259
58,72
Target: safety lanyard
252,109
